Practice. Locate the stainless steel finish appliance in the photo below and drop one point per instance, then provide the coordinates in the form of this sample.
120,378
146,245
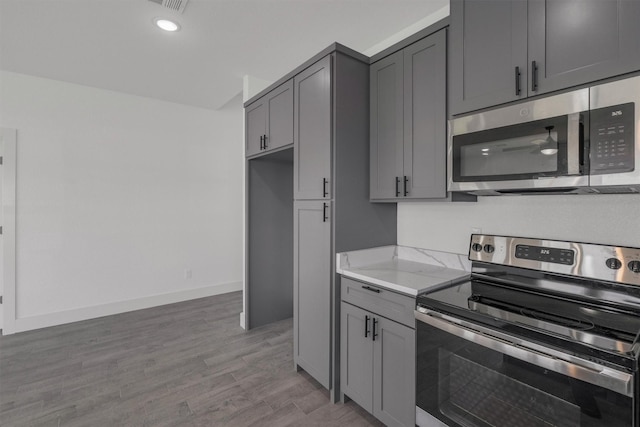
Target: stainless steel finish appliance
584,141
545,333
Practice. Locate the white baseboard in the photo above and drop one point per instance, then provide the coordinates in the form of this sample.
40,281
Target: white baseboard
85,313
242,320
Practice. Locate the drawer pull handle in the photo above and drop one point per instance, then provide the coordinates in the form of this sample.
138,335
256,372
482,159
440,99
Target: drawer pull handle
369,288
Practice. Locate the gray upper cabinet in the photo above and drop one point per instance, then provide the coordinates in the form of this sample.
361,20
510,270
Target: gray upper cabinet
505,50
579,41
488,53
312,288
425,118
256,126
386,80
312,132
408,122
269,121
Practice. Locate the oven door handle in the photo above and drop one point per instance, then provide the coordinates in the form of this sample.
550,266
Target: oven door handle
587,371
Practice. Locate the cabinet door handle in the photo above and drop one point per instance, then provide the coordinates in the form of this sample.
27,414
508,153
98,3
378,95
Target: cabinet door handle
406,181
518,89
325,192
369,288
397,186
366,326
261,142
375,333
324,212
264,138
534,76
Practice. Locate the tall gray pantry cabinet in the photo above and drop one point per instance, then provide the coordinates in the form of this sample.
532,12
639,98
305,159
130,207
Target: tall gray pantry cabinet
327,178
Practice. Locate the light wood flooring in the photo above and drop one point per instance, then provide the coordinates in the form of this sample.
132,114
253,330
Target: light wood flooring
185,364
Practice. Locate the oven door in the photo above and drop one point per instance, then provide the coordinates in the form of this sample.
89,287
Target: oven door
532,146
469,375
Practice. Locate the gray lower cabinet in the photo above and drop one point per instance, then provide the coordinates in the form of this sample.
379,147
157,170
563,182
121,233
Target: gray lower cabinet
269,121
378,358
312,135
408,122
505,50
312,288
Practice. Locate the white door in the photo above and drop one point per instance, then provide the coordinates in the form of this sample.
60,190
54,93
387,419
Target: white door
2,137
7,222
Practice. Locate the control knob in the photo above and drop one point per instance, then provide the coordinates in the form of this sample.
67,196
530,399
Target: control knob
476,247
634,266
489,248
614,263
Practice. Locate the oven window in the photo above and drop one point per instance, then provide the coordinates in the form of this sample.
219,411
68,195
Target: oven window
473,394
464,384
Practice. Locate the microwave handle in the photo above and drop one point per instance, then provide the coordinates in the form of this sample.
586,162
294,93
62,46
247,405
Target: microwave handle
574,144
601,376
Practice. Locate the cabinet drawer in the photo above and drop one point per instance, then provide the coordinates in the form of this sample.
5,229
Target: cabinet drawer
379,300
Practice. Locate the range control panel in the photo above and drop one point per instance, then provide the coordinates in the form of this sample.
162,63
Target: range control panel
602,262
539,253
612,139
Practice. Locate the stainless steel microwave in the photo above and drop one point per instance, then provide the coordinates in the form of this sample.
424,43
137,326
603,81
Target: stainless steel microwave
584,141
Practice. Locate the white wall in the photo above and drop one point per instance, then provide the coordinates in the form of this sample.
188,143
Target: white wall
607,219
117,196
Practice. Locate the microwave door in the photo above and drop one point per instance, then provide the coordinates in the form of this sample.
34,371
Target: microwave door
524,147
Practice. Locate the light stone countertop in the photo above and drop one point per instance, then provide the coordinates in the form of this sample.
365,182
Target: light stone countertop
411,271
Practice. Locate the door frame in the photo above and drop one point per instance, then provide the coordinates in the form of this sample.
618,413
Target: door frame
8,170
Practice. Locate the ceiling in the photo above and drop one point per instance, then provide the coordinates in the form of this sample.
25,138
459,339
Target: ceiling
113,44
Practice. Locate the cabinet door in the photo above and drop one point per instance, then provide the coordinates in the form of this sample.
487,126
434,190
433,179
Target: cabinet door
255,126
425,118
394,373
579,41
356,359
312,288
488,42
280,116
386,89
312,132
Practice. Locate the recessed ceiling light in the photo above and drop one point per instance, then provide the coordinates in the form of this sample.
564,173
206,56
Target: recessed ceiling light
167,25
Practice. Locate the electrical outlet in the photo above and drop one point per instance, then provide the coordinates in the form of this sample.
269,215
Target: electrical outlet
476,230
188,274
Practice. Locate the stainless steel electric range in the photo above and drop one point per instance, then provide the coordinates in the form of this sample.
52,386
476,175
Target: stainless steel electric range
544,333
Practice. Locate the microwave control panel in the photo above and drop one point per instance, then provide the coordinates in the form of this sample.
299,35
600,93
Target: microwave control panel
612,139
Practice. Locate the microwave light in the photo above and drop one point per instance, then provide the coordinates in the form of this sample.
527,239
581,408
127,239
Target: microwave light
550,146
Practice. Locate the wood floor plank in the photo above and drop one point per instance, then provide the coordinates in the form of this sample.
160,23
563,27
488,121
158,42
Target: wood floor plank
187,364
